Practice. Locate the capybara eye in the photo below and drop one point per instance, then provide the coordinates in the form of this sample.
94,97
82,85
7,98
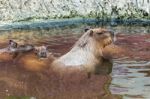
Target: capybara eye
100,33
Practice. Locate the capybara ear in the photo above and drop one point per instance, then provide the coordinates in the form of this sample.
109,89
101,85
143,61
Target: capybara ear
91,32
86,29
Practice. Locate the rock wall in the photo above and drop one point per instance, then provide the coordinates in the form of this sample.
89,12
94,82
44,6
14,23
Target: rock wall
27,10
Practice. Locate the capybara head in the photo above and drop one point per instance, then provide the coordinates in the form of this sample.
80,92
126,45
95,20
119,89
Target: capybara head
12,44
102,36
41,51
97,37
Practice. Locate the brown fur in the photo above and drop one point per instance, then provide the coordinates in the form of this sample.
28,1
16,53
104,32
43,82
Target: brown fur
31,62
5,57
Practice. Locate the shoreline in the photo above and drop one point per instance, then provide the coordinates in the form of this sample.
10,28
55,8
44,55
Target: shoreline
54,23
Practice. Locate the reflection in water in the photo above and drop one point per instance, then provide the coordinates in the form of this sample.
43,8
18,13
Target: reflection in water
130,74
128,79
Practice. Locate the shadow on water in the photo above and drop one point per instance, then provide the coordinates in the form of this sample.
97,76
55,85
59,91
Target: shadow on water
127,79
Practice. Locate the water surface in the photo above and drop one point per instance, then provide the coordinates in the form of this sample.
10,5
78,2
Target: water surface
129,79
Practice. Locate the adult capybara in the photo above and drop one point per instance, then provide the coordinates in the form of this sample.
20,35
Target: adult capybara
86,54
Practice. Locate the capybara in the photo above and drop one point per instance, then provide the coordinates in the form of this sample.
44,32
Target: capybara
86,54
12,50
37,59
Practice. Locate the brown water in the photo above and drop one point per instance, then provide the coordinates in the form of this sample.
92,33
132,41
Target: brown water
129,79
